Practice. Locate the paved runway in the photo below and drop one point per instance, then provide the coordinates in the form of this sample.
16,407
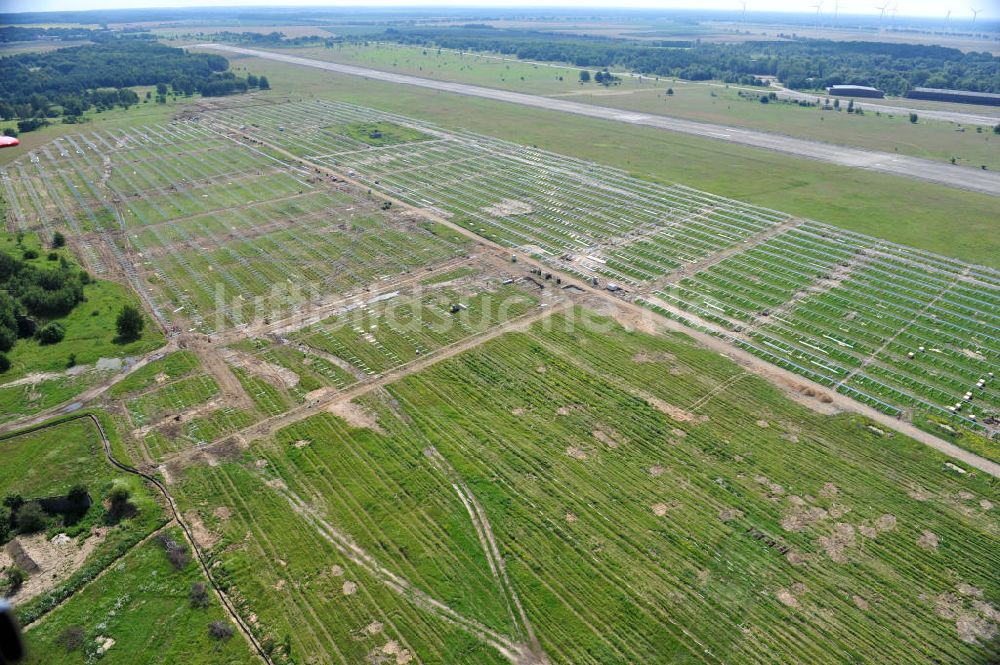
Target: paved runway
962,177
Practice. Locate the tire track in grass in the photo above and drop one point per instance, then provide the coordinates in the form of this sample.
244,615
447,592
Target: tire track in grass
512,651
485,532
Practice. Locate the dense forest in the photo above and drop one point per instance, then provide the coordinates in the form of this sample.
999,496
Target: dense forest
801,64
68,82
30,294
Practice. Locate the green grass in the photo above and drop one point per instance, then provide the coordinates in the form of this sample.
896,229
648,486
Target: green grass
142,604
28,398
90,326
912,213
172,366
379,133
173,398
626,479
705,101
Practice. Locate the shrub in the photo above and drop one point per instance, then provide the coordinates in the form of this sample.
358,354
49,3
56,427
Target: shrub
79,499
58,240
220,630
177,553
30,254
31,518
199,595
71,639
53,333
119,506
15,579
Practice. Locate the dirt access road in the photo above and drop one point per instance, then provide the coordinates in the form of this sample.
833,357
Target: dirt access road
960,177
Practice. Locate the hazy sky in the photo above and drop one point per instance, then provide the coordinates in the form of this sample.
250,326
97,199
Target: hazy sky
960,9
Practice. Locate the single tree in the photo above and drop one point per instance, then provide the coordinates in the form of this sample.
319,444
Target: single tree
670,92
130,323
52,333
584,76
913,118
264,83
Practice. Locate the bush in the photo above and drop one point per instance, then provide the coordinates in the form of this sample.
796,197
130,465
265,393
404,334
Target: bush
15,579
79,499
220,630
199,595
130,323
11,132
31,518
119,506
53,333
30,254
913,118
71,639
58,240
4,363
177,553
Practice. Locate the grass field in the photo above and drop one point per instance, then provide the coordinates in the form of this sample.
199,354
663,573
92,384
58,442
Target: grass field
142,604
696,101
754,525
904,211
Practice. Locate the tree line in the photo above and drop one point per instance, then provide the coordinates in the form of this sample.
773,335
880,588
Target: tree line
800,64
68,82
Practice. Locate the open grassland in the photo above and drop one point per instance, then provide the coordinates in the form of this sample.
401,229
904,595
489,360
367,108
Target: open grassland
49,462
640,498
717,103
896,209
142,605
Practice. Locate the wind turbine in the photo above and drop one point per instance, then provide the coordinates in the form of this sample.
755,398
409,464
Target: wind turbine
895,9
744,3
818,7
975,13
836,10
947,21
881,17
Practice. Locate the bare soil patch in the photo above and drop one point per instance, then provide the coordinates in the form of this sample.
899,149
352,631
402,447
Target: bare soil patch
356,416
928,540
508,208
576,453
839,542
730,514
54,560
674,412
205,539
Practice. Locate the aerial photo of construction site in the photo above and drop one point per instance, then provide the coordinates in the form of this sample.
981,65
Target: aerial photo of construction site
500,335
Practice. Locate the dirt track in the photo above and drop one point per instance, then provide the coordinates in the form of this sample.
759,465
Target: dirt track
960,177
